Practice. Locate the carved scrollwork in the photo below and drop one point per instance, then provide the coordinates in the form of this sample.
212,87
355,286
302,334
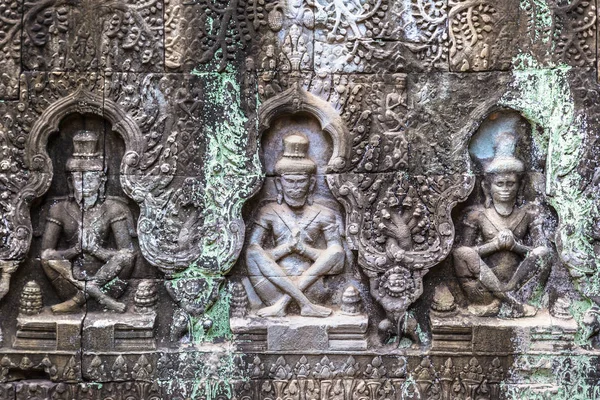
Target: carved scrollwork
58,35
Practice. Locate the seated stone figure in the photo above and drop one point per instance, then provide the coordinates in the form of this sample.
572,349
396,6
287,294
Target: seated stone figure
83,225
502,246
283,257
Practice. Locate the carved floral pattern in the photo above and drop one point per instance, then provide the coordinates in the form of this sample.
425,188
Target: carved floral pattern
93,35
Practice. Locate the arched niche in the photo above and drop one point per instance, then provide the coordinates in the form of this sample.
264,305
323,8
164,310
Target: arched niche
60,148
40,165
507,130
320,151
508,200
512,128
84,103
297,102
297,111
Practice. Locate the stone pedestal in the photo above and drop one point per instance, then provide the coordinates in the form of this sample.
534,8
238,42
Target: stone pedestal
124,332
49,331
463,332
93,331
297,333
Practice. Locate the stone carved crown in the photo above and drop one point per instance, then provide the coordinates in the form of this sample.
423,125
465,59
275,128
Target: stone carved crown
294,159
86,156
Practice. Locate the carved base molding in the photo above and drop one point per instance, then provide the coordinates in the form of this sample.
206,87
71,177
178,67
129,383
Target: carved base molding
467,333
48,331
393,375
339,332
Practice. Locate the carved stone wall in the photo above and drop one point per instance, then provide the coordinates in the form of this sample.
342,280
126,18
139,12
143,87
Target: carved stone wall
299,199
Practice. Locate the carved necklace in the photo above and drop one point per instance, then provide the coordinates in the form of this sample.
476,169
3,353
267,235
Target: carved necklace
302,227
511,223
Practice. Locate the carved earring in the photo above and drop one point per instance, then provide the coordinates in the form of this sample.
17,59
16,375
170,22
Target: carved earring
311,190
486,194
102,192
71,196
279,191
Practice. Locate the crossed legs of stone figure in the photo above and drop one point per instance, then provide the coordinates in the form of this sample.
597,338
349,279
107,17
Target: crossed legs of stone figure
483,279
329,260
60,270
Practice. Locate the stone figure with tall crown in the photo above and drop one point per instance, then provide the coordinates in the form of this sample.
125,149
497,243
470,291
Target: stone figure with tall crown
294,242
502,245
77,255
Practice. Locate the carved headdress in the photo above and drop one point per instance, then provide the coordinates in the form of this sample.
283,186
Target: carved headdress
294,159
86,156
504,160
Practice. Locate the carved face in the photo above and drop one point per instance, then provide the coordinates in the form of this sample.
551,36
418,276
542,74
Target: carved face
504,188
295,188
146,56
86,186
396,284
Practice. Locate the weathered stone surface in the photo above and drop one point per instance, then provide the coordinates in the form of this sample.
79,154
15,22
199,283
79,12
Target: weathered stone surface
10,44
382,199
88,36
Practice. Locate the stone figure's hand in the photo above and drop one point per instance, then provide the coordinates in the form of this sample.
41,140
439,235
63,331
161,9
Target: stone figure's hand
540,251
506,240
89,243
85,241
296,245
300,248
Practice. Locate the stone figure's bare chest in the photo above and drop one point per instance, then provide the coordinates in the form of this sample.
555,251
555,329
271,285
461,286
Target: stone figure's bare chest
76,221
491,224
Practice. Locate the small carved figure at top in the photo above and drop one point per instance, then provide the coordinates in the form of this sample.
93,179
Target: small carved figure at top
85,224
284,257
502,245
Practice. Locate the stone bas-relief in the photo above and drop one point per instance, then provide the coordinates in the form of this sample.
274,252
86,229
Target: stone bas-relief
299,199
86,221
295,223
493,259
293,245
87,255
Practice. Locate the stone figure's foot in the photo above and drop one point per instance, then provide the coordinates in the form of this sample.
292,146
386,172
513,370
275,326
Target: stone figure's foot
276,310
313,310
485,310
114,305
529,311
66,307
70,306
525,310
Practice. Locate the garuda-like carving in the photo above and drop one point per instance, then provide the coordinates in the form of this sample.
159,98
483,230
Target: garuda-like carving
401,227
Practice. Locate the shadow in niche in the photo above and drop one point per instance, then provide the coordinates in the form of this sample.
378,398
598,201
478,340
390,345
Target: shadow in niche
28,374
